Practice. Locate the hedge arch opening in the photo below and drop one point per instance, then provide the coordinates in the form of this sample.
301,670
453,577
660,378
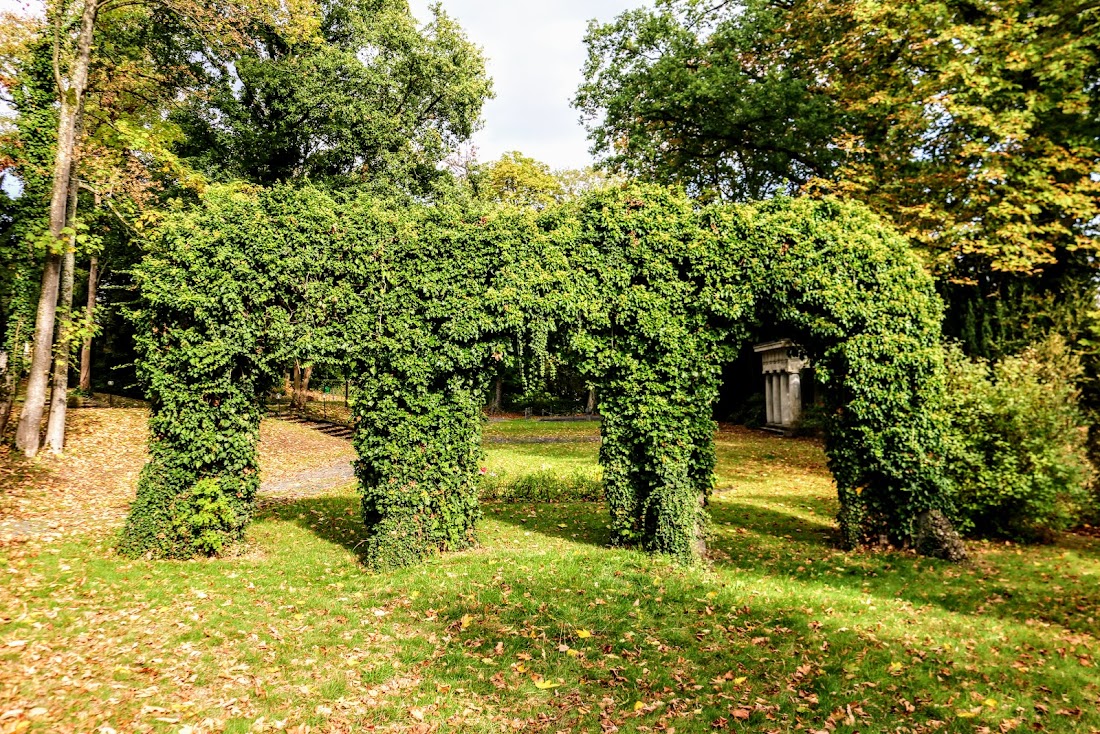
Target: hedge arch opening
647,294
845,287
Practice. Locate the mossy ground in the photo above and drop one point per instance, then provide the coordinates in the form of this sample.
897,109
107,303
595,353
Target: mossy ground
543,627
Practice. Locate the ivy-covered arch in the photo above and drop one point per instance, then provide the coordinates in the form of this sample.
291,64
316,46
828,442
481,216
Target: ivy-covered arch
674,292
230,292
648,294
844,285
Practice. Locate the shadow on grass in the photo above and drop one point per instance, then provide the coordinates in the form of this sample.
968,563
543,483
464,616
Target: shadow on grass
996,582
795,543
337,520
573,522
1021,584
1082,542
333,518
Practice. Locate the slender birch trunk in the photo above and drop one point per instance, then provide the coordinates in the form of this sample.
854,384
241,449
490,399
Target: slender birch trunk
27,437
59,402
89,312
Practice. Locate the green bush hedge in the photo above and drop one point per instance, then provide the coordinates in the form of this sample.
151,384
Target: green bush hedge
544,485
1017,447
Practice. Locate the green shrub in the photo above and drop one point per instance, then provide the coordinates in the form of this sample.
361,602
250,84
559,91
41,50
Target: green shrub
229,293
845,286
1017,450
751,413
205,517
541,402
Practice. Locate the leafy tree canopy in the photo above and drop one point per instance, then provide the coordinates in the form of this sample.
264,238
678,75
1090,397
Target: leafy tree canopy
519,180
973,126
684,94
378,97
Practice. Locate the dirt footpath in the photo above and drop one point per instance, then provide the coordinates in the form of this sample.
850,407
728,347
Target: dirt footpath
89,489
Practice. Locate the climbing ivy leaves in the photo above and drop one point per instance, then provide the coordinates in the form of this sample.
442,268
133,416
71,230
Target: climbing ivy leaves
647,294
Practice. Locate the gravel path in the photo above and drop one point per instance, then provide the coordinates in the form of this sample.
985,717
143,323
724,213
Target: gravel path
308,483
37,528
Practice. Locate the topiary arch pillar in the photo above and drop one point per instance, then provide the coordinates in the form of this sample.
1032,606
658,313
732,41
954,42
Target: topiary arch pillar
230,292
642,266
203,336
420,398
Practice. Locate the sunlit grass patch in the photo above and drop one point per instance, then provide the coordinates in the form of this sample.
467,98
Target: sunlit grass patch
528,428
541,461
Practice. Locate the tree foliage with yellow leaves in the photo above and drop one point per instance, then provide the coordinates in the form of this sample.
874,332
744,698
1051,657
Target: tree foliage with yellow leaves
972,125
518,180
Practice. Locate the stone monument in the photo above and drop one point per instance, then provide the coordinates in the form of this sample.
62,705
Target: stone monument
782,365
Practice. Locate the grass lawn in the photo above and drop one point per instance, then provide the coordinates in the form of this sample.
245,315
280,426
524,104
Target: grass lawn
544,628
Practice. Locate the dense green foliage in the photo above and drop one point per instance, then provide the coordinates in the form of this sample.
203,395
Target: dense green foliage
842,283
26,157
683,94
228,291
205,328
420,401
517,179
646,275
376,97
1018,459
648,295
92,84
972,127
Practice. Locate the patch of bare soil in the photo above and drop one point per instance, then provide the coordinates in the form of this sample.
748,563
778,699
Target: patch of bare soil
86,489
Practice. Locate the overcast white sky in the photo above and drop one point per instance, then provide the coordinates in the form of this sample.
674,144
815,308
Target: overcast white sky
535,53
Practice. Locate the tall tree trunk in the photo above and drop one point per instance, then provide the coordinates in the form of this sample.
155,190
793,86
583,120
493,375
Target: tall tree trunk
306,374
59,402
30,421
89,312
296,387
34,405
590,408
498,395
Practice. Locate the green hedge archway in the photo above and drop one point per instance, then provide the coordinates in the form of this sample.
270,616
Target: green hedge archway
649,294
844,285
